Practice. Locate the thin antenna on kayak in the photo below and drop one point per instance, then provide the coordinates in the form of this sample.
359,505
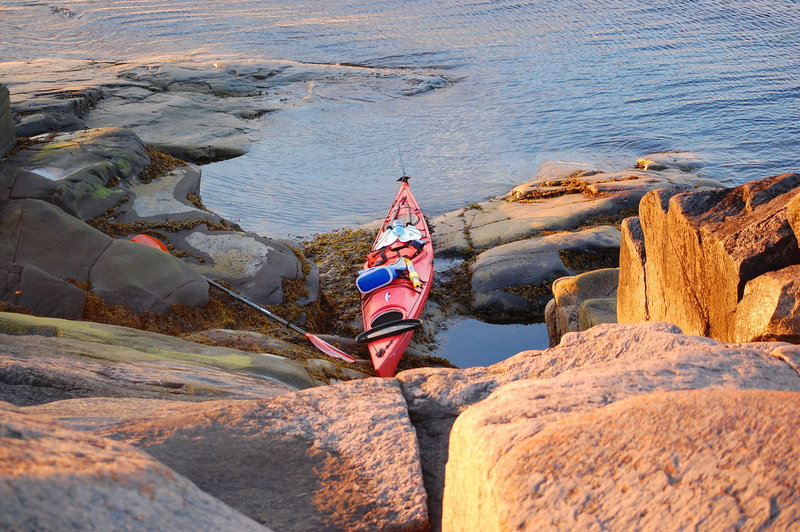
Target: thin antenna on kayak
405,177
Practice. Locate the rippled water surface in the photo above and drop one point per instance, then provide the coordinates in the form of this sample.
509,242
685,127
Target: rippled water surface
603,81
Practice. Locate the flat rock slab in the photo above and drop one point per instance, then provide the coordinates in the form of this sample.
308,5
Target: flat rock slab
341,457
47,359
58,479
199,112
560,198
587,371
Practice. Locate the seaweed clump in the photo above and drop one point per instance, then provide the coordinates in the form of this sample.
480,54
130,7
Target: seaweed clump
160,165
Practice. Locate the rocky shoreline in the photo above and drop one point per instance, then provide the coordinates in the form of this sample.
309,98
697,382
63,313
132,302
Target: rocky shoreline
200,414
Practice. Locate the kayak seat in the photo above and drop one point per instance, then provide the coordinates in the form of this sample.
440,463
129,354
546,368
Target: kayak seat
386,317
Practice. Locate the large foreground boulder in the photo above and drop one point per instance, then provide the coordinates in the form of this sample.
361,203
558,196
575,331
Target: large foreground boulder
502,468
342,457
526,392
702,248
708,459
57,479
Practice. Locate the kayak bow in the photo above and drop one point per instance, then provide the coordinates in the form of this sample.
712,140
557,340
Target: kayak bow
396,281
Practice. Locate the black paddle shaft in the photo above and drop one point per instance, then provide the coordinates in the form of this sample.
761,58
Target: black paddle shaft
257,307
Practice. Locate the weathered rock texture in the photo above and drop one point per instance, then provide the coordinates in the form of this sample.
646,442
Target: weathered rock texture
57,479
770,308
342,457
496,480
631,290
699,459
43,251
199,112
581,301
702,248
47,359
8,136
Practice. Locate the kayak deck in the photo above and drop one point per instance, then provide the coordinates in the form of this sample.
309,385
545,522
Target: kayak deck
398,241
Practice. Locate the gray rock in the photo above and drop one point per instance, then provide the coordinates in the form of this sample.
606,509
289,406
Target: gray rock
145,279
41,123
596,311
8,136
502,275
631,292
77,171
119,272
48,359
703,247
569,295
564,196
490,486
57,479
340,457
43,293
770,308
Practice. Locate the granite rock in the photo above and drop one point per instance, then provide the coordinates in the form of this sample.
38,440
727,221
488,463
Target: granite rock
685,459
49,359
487,488
511,281
302,461
703,247
57,479
770,308
570,293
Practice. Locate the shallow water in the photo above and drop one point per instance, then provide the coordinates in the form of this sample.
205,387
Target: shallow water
468,342
601,82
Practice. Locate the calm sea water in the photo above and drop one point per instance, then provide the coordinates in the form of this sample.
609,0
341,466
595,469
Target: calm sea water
602,82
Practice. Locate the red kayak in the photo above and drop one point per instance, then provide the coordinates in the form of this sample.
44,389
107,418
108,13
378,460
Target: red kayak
395,282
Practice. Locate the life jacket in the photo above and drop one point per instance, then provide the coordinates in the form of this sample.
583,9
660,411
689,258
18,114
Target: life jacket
394,252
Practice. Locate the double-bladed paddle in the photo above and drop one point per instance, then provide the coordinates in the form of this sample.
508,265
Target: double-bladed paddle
320,344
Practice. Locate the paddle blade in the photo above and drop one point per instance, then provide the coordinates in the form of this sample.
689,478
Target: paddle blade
328,349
